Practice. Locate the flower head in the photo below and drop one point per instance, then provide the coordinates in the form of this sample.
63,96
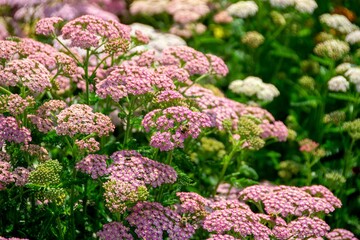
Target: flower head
79,119
151,219
130,166
114,231
94,165
26,72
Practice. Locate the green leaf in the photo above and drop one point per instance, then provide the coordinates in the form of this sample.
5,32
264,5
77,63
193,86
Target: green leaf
283,52
242,182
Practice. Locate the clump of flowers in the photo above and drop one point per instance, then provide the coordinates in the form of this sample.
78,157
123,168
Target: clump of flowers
26,72
10,131
251,86
15,104
114,231
45,119
118,195
338,22
89,31
173,126
46,174
79,119
338,84
90,145
334,49
94,165
151,219
253,39
131,166
353,128
243,9
284,200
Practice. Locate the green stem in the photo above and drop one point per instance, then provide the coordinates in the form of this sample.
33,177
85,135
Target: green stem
68,50
128,121
59,226
308,171
227,160
347,158
72,203
86,69
5,90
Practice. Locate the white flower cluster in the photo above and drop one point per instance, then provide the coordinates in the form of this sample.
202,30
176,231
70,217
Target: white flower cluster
251,86
304,6
338,84
148,7
353,37
333,48
338,22
243,9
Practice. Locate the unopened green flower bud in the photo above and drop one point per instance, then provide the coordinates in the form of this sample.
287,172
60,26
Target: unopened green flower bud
335,117
307,82
277,18
253,39
353,128
46,174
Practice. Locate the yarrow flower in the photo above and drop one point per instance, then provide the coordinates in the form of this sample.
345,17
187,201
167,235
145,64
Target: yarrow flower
305,227
353,37
151,219
15,104
26,72
131,80
338,22
340,234
130,166
114,231
333,48
94,165
87,31
173,125
239,221
118,195
218,66
45,118
243,9
6,175
46,174
193,61
11,131
46,27
90,145
79,119
254,86
36,151
285,200
338,84
253,39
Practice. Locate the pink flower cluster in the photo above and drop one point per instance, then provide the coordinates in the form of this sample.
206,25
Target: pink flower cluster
16,105
151,219
11,131
26,72
94,165
131,80
340,234
241,221
79,119
308,145
87,31
130,166
19,176
220,108
168,96
114,231
173,125
285,200
46,27
90,145
193,61
45,118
